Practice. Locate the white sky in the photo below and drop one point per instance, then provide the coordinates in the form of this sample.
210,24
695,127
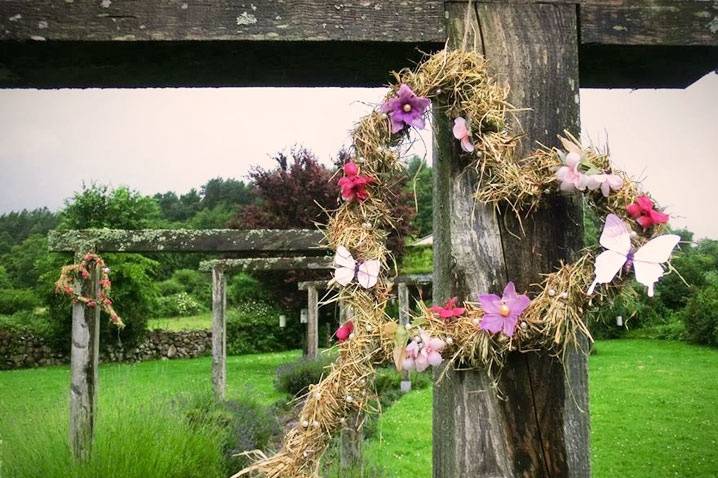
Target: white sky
157,140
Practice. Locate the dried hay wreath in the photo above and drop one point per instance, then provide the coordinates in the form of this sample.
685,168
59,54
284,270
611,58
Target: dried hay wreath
481,333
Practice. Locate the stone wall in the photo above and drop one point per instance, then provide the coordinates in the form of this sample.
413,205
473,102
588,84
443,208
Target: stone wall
21,350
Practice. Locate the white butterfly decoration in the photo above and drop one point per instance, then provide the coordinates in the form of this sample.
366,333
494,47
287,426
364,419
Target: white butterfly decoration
646,261
346,269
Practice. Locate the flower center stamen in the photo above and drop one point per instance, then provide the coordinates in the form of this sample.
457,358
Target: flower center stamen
407,108
504,310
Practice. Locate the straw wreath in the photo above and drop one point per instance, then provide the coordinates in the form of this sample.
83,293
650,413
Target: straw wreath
459,86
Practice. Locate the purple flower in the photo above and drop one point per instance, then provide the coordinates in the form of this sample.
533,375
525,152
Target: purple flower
405,109
502,313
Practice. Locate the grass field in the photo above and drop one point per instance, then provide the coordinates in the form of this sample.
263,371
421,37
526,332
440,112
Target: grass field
653,409
194,322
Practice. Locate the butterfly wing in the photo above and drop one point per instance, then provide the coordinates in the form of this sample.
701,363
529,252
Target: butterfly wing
344,265
616,236
608,264
648,259
368,273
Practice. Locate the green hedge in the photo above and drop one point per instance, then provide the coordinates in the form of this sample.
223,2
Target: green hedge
701,317
17,300
180,304
253,327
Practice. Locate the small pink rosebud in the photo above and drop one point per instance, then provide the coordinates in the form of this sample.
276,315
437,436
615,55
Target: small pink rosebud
351,169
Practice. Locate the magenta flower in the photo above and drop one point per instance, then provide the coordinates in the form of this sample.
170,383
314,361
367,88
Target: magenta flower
463,133
406,109
422,352
449,310
502,313
642,211
353,185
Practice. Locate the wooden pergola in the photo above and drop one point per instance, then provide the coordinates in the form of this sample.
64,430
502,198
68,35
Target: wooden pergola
545,49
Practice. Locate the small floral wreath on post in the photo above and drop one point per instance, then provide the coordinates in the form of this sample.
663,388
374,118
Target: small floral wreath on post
71,274
480,333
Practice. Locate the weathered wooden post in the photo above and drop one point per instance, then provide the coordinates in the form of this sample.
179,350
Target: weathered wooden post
313,321
219,331
541,429
352,434
404,316
84,353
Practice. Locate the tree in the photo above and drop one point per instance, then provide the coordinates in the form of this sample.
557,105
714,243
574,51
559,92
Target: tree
227,192
98,206
295,194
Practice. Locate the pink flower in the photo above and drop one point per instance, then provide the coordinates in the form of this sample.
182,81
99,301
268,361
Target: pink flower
608,182
422,352
344,331
642,211
406,109
463,133
449,310
571,178
353,185
502,313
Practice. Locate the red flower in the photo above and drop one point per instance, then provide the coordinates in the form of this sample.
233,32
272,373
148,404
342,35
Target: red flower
344,331
353,184
449,310
642,211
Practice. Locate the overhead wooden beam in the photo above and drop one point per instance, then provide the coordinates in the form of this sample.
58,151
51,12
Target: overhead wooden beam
407,21
160,43
658,22
187,240
268,264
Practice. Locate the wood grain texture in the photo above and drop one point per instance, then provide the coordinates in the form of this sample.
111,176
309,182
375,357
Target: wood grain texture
274,20
312,322
268,264
219,332
84,357
541,429
187,240
658,22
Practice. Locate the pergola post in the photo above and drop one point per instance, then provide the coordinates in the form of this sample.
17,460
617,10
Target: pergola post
219,332
84,353
312,322
404,316
541,428
352,434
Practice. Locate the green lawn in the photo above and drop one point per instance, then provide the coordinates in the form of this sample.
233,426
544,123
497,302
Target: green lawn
653,409
653,414
194,322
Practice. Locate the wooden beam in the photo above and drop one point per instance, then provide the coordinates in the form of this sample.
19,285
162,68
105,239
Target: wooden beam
312,322
658,22
219,332
84,360
404,318
317,284
187,240
181,20
255,264
541,427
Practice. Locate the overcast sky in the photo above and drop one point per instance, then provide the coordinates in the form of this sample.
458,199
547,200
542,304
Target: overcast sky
157,140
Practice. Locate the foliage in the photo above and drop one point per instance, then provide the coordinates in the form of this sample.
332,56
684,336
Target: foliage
417,260
16,300
175,208
247,424
4,279
28,322
22,262
295,194
194,283
180,304
243,287
212,218
134,292
421,187
17,226
701,317
296,377
195,322
98,206
227,192
253,327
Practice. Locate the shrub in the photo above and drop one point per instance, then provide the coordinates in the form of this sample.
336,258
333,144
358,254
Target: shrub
701,317
27,321
295,377
16,300
253,327
169,287
178,305
243,287
195,283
